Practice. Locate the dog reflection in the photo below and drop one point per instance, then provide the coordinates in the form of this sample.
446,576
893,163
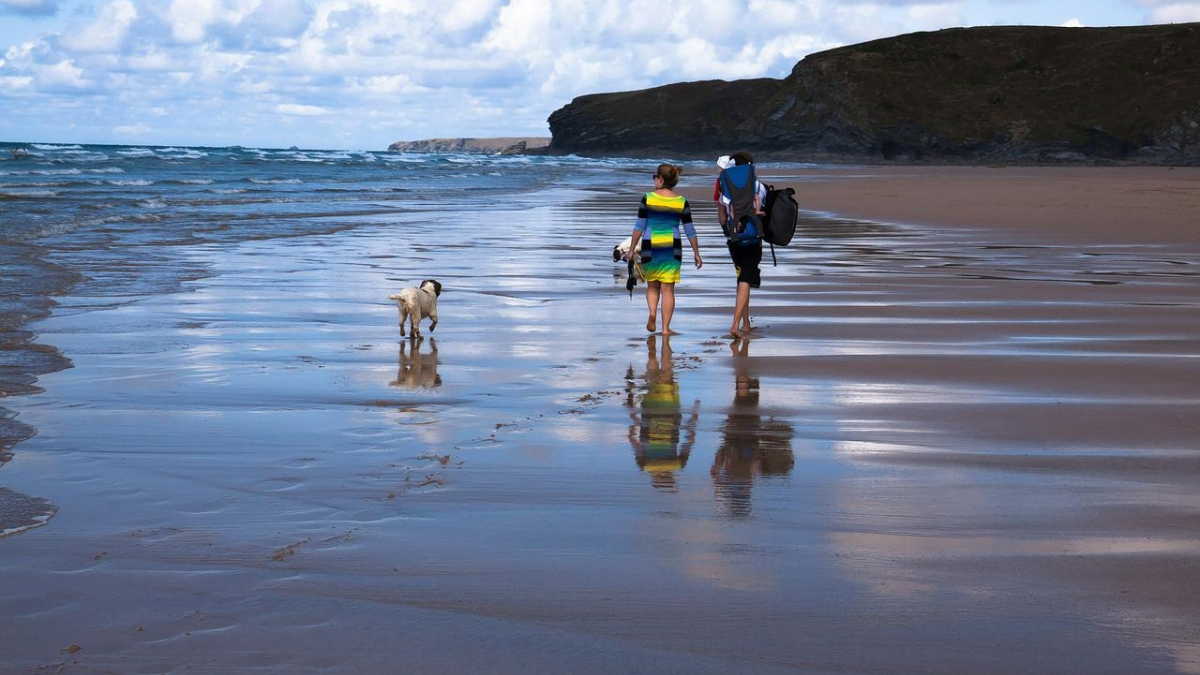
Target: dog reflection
417,370
751,446
657,435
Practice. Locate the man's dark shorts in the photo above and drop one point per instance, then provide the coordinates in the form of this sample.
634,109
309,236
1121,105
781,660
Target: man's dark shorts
746,259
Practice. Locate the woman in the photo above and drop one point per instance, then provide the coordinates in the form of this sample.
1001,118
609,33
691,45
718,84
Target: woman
659,217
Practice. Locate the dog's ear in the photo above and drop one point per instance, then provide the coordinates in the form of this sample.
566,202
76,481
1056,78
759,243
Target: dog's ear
437,287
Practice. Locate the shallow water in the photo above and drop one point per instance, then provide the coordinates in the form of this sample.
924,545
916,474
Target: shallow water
940,454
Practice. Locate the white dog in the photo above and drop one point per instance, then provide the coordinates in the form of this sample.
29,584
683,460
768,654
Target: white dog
417,303
622,249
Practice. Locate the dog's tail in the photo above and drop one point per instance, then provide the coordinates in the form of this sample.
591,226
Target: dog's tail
394,296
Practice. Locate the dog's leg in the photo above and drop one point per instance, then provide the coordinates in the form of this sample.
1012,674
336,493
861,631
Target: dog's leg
433,316
414,316
403,316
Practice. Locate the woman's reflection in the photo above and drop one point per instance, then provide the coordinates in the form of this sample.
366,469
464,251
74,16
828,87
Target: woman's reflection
417,370
656,431
750,446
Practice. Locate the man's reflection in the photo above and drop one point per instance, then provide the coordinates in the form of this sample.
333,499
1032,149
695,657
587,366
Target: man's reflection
417,370
655,433
750,446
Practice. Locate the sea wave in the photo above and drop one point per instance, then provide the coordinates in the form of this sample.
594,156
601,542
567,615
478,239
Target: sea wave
56,172
26,194
181,153
76,157
41,230
22,512
130,183
56,184
49,146
275,181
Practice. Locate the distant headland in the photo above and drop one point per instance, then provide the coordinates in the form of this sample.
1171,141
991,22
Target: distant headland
1008,94
511,145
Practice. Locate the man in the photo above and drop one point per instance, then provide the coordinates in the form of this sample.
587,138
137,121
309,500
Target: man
736,202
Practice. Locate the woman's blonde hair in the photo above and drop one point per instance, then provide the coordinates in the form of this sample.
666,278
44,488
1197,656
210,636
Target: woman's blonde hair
669,173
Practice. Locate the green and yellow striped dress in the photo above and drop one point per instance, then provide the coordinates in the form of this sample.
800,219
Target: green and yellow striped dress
658,220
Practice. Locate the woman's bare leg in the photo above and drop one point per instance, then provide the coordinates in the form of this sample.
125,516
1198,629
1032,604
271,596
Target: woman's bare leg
668,307
653,290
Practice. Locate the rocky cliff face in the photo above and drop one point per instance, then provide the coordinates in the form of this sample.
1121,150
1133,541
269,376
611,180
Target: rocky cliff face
491,146
967,94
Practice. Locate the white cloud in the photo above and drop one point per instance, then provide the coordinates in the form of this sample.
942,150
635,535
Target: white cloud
10,83
301,110
190,20
1072,23
213,64
151,60
1178,12
281,18
132,130
107,32
58,75
462,15
386,84
937,15
25,53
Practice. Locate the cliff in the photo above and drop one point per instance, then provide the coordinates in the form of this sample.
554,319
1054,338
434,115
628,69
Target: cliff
1014,93
491,146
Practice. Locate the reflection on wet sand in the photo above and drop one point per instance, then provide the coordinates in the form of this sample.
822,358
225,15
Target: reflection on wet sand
656,432
417,370
750,446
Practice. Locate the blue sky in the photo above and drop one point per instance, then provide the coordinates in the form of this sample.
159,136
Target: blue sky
359,74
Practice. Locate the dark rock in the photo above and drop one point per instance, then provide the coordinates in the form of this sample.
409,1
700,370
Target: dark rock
965,94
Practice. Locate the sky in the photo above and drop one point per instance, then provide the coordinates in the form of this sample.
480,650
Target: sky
360,74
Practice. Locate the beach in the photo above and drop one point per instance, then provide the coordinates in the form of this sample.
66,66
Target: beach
962,439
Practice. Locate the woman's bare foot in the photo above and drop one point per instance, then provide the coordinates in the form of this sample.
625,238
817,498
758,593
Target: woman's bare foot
733,334
651,322
668,331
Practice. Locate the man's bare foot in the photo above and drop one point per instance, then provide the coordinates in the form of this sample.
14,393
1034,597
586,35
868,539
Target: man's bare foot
733,335
668,331
650,323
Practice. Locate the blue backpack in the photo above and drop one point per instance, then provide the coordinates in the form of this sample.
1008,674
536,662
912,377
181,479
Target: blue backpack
738,185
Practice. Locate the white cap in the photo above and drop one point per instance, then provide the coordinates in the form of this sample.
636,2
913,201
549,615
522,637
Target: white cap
725,161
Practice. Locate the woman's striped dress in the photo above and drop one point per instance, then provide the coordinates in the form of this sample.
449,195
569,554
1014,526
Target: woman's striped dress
658,220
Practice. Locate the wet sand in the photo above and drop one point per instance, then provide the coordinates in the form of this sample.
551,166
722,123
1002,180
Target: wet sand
1084,206
952,447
